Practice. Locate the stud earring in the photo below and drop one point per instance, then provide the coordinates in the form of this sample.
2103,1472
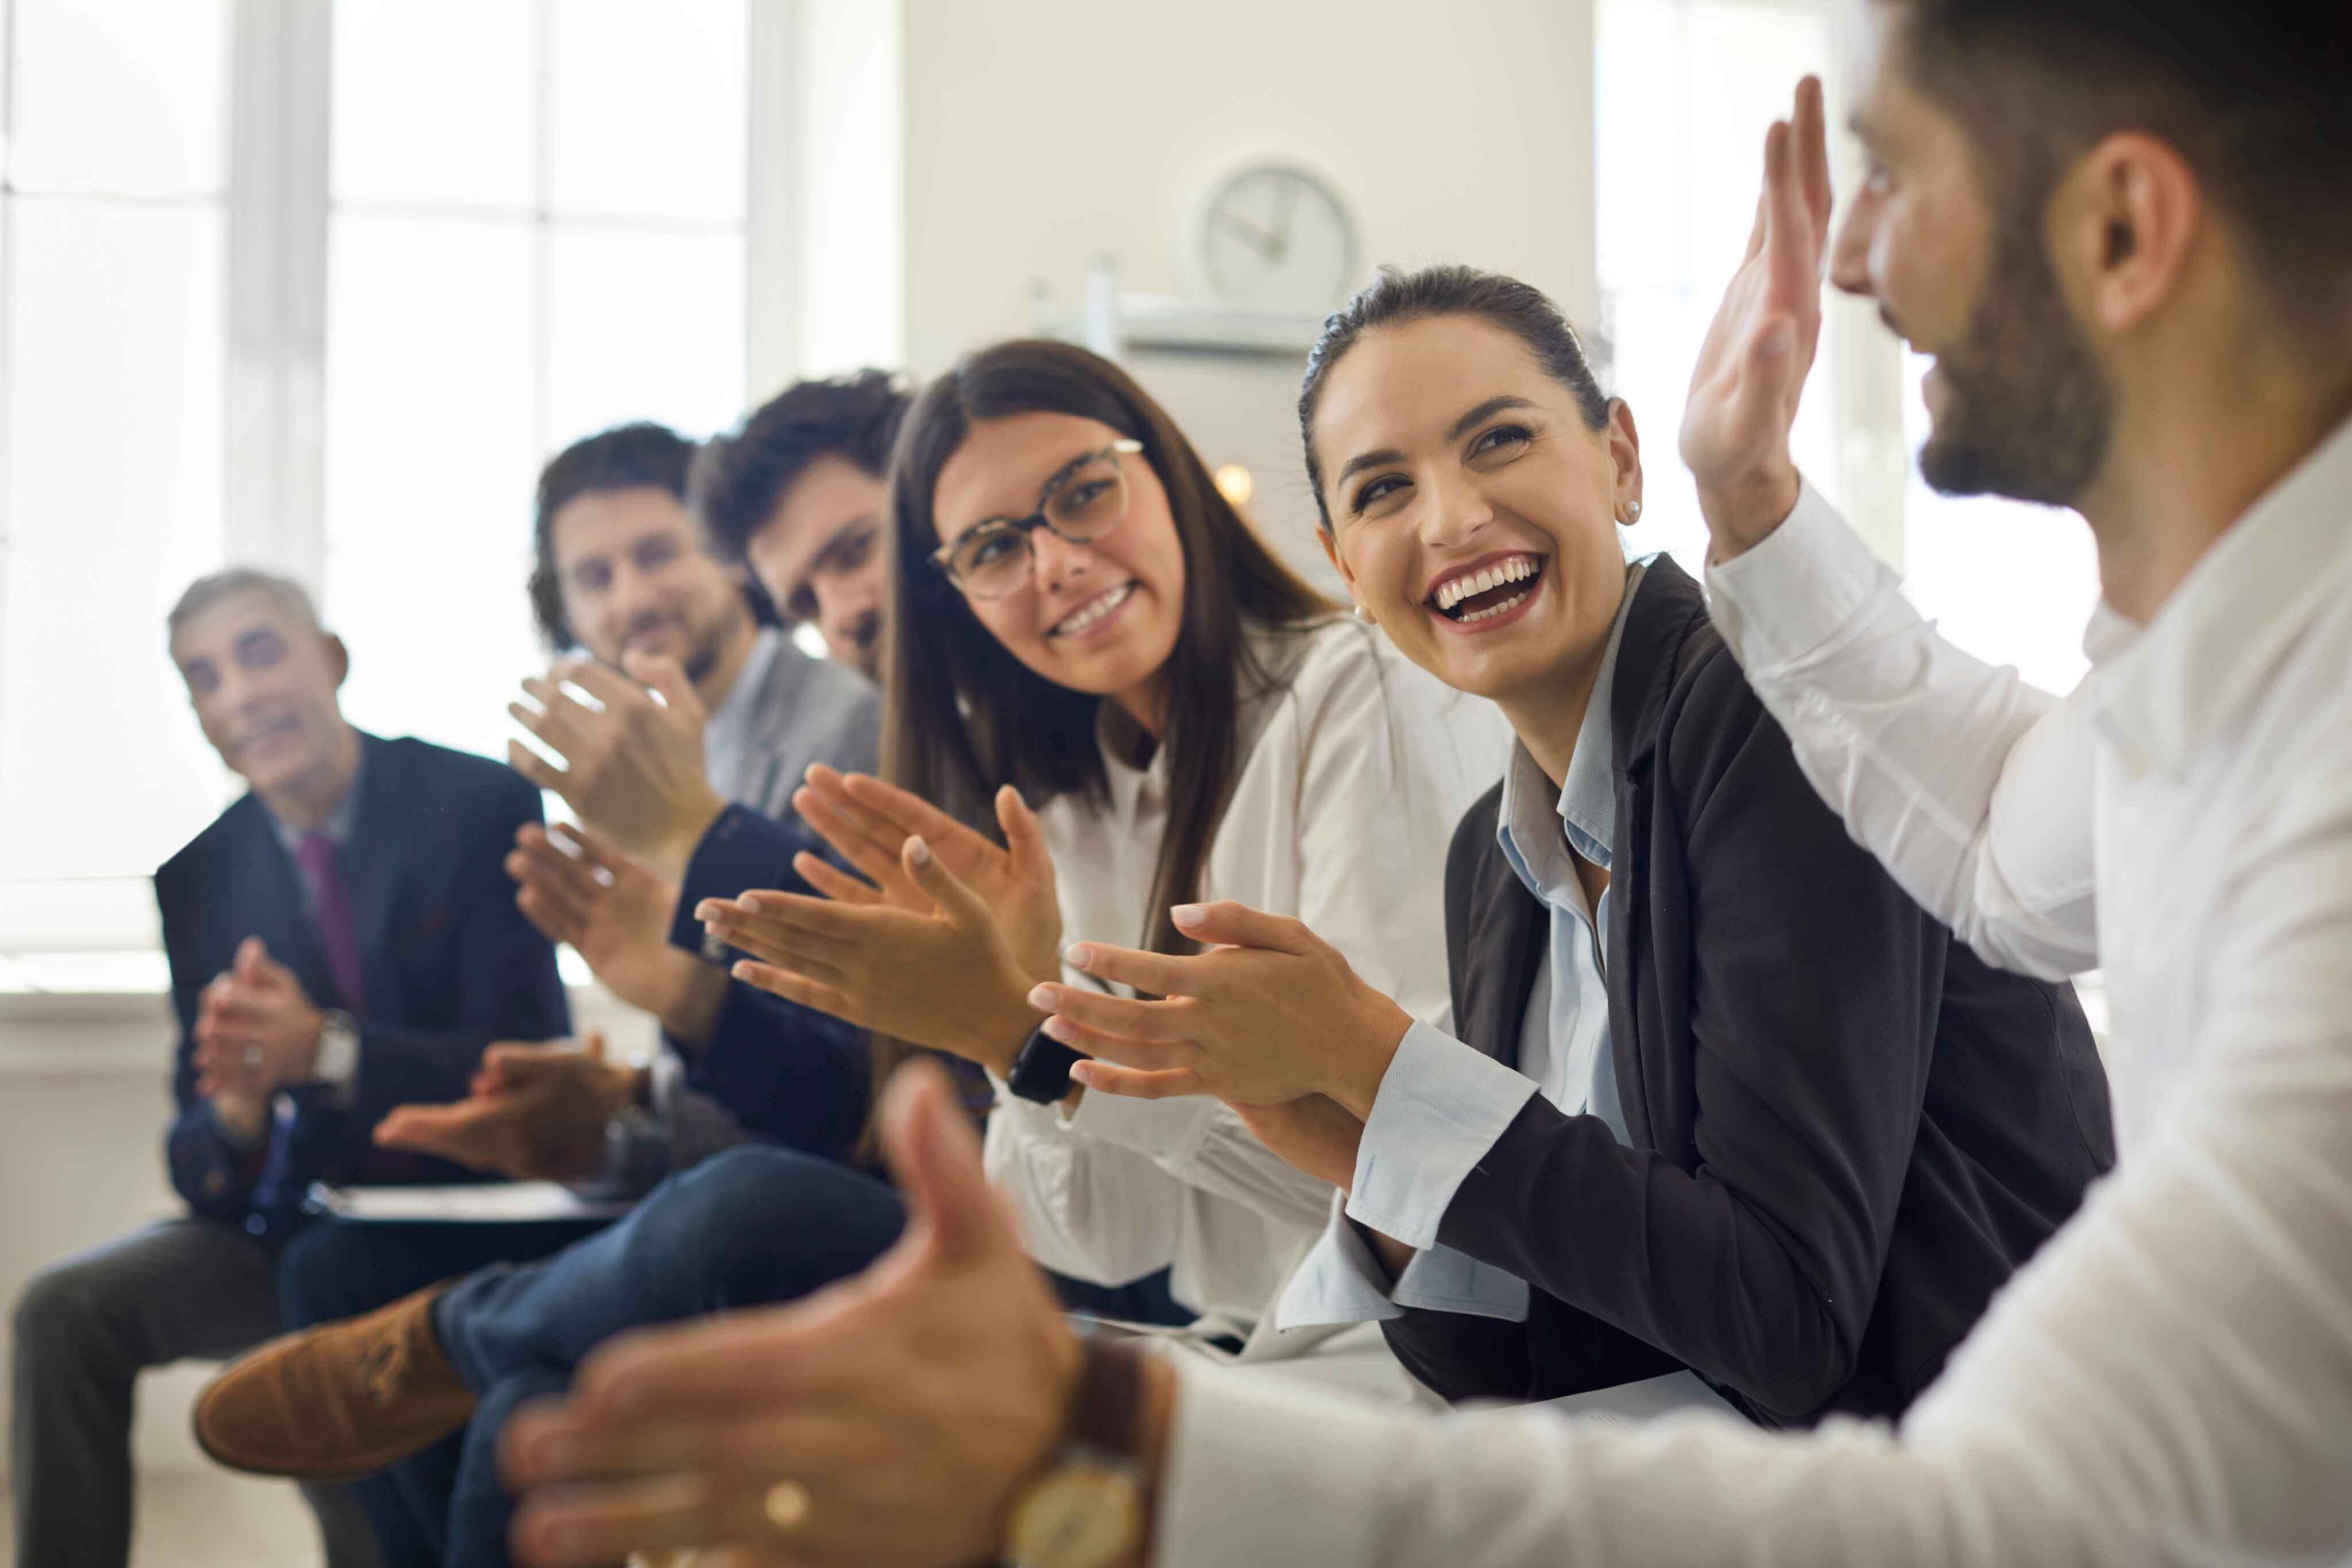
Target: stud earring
1633,511
1362,613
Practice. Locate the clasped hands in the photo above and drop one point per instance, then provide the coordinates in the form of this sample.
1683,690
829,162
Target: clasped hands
256,1031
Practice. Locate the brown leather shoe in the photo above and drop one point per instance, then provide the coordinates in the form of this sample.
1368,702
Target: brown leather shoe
338,1402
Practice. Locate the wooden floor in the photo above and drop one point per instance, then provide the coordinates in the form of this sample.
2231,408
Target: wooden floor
212,1519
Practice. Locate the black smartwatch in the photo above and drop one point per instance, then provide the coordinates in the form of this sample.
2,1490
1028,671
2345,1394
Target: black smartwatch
1041,1068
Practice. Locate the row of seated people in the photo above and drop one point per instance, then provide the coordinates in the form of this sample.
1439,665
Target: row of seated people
1821,1077
1419,1084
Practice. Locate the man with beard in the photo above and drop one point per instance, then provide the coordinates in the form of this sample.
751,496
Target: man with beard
2123,230
691,704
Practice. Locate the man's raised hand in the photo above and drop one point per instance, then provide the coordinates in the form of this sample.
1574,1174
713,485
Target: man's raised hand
1752,367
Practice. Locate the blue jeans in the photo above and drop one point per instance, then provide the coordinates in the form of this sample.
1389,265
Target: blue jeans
333,1269
751,1227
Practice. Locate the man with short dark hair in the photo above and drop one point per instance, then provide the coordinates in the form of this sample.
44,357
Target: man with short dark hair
798,495
2122,229
342,941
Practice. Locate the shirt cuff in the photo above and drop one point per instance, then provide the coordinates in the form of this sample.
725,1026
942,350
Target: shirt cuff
1795,592
717,870
337,1070
1268,1469
1340,1281
1441,1107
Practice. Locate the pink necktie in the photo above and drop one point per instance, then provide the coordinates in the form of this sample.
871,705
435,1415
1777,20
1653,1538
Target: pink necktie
322,868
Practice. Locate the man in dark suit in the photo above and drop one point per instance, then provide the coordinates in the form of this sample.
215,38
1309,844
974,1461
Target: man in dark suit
343,940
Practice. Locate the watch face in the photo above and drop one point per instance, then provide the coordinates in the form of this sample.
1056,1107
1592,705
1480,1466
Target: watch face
1079,1516
1277,238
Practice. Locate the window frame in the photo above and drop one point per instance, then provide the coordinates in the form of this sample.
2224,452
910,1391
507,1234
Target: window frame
278,206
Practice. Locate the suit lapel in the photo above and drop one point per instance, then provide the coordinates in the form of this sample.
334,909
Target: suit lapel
1666,606
1512,926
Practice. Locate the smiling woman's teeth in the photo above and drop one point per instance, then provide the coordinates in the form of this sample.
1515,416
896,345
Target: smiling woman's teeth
1513,602
1080,619
1516,570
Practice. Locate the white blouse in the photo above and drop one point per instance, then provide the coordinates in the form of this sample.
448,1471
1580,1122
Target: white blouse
1360,767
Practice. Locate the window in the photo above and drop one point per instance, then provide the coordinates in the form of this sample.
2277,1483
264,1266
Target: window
1684,91
532,223
570,231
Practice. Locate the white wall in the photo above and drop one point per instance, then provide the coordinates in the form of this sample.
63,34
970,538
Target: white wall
1041,133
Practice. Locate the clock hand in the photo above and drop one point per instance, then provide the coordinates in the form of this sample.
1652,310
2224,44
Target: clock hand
1281,221
1264,244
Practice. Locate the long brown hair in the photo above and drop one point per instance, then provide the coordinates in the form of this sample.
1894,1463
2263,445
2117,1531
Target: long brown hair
963,717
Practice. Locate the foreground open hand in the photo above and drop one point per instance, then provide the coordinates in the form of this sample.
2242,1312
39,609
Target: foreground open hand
1269,1014
894,1413
537,1113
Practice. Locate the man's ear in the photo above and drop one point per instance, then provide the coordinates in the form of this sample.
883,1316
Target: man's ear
338,658
1625,452
2123,229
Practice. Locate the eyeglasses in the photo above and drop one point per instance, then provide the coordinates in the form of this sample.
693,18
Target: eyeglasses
1086,500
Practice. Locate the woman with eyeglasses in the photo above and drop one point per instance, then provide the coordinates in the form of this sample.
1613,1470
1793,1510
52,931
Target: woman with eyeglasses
1080,619
1077,618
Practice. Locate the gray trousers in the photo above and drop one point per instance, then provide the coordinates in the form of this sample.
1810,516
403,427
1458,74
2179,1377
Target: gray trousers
85,1330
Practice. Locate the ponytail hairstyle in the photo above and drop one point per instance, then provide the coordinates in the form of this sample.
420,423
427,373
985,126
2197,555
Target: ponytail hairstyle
1397,298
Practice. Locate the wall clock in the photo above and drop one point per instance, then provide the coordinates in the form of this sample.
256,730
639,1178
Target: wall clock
1274,236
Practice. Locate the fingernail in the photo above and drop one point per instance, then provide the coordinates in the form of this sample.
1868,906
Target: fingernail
706,911
1044,996
1056,1030
1082,1073
1187,914
922,852
1080,955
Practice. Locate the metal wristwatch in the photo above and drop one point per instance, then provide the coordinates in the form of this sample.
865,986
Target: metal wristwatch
338,1058
1087,1510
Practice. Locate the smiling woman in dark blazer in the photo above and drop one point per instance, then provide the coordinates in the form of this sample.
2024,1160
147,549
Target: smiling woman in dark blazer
1724,1097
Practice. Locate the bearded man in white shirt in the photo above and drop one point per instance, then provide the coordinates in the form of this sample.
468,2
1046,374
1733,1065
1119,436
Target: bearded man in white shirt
2123,230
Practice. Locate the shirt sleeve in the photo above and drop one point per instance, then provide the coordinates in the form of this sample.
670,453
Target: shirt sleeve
1341,1282
1441,1106
2169,1380
1973,787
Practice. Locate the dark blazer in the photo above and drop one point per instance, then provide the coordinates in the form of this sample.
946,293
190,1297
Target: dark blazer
786,1073
448,964
1847,1129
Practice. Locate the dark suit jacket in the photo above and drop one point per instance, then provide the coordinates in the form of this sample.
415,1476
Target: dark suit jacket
787,1072
1847,1129
447,962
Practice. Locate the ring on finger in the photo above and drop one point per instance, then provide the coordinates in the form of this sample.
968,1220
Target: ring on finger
787,1504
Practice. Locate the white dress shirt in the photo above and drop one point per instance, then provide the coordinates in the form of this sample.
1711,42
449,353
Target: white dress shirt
1443,1103
1356,767
2170,1379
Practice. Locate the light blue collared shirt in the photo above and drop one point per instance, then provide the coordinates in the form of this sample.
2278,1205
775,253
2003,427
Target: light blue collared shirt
1444,1103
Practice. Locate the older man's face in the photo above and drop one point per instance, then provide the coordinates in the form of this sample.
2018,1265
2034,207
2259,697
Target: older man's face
263,682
